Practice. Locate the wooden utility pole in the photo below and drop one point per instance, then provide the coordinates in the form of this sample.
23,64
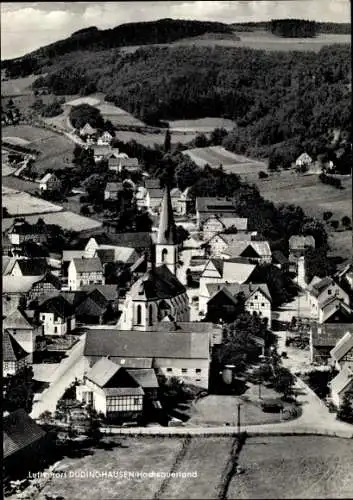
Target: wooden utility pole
238,419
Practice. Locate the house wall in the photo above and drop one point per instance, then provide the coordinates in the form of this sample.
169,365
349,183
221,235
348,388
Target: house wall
329,293
123,404
16,270
211,227
12,367
41,288
99,399
186,369
346,360
217,246
26,338
52,325
77,280
261,305
337,398
10,302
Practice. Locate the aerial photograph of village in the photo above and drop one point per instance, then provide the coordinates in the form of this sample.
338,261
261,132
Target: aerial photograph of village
177,250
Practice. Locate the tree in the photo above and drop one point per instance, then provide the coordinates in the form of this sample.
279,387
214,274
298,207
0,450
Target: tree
346,221
217,136
167,141
84,113
201,141
283,381
327,215
262,175
18,392
345,411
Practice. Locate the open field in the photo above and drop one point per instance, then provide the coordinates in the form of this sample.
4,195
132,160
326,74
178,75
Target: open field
19,184
118,116
19,86
16,141
149,139
258,40
314,197
20,203
56,149
65,219
264,40
274,467
91,101
201,125
231,163
294,467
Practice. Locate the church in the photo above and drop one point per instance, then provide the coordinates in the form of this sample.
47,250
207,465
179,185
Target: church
158,295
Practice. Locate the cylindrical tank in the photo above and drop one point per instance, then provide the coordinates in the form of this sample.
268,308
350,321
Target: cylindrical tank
227,374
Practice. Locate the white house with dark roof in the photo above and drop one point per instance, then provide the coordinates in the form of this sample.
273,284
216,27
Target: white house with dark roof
85,272
50,182
111,390
112,190
105,139
321,292
219,243
210,206
342,383
303,160
56,315
342,353
178,353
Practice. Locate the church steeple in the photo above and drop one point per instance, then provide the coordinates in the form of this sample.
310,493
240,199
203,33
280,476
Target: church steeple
167,246
166,231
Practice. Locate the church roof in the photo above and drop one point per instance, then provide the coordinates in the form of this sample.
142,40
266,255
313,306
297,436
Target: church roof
166,231
159,283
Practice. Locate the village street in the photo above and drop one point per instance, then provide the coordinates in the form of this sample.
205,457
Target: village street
63,375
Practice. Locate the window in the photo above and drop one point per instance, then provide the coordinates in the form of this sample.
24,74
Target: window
251,304
255,297
164,254
169,370
136,401
55,329
139,315
184,370
262,304
329,292
43,316
150,315
198,370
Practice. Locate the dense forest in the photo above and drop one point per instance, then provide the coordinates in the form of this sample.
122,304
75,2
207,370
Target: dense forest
294,28
93,39
333,28
280,100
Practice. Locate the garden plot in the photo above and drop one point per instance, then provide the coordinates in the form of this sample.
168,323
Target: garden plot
20,203
294,467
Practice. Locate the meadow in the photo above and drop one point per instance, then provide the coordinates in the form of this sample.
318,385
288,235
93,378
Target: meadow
17,87
149,139
294,467
20,203
274,467
66,219
201,125
315,198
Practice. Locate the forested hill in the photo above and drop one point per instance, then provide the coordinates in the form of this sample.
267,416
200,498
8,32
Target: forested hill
333,28
142,33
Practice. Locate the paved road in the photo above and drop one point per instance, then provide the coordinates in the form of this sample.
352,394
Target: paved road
70,368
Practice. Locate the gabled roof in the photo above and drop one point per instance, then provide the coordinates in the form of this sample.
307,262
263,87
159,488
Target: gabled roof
69,255
112,253
137,344
22,226
11,349
7,264
19,431
103,371
101,150
333,305
109,292
56,305
304,157
137,240
129,162
19,284
155,193
74,297
240,223
92,305
145,377
93,265
318,288
233,270
232,289
159,283
17,319
123,391
343,379
343,346
238,248
167,229
152,183
88,130
32,267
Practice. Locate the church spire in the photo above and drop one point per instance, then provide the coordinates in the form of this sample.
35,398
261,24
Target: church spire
166,231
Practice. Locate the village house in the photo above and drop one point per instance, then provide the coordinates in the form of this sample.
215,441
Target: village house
342,353
56,315
25,328
321,292
112,190
323,339
110,390
223,271
298,245
85,272
223,302
25,444
173,354
254,251
334,310
341,384
105,139
211,206
185,203
14,357
29,267
50,182
140,241
153,199
215,224
219,243
101,153
122,162
88,133
21,231
303,160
